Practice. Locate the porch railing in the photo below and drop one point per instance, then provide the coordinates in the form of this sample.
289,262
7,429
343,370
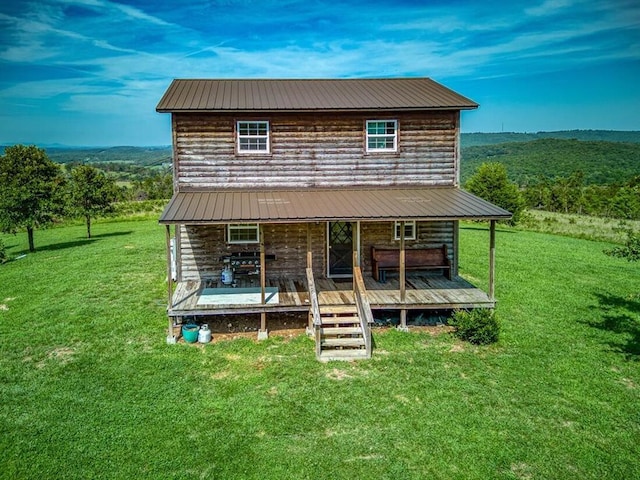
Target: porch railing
315,309
363,307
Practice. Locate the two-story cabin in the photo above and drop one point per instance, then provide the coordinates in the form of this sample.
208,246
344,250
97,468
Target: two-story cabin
332,197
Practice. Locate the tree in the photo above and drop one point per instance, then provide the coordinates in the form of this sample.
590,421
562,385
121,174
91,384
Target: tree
630,250
92,193
156,187
491,183
30,190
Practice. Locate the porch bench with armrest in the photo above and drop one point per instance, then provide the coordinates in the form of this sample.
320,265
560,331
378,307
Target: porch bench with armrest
383,260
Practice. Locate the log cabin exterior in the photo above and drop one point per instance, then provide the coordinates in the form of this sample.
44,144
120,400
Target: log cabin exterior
290,183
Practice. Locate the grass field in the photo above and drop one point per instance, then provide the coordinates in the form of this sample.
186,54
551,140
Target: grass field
579,226
89,388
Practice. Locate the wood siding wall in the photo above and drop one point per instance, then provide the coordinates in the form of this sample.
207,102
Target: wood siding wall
428,235
200,247
316,150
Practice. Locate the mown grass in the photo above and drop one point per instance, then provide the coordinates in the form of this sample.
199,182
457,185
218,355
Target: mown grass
89,388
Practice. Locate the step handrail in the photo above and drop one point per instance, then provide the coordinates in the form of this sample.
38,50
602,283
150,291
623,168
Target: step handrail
315,309
364,308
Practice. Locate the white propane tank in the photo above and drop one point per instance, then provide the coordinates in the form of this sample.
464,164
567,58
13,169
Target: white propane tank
227,275
204,334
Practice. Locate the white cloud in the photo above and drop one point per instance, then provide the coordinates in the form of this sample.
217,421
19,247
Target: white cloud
548,7
113,7
122,57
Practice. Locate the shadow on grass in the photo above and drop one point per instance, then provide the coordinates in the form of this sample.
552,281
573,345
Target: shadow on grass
621,316
485,228
76,243
58,246
111,234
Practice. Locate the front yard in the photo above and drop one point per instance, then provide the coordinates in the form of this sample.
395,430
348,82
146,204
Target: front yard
89,388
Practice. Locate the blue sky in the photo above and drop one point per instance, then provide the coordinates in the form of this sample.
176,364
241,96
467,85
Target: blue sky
90,72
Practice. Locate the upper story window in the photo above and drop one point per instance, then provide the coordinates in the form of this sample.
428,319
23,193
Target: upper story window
409,230
382,135
253,136
243,233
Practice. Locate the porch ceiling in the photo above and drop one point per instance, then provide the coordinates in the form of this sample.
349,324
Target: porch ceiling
300,206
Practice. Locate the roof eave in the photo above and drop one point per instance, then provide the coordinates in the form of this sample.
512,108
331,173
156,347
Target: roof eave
316,110
333,219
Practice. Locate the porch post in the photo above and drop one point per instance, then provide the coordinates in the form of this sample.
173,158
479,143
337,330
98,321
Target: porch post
262,334
310,328
170,336
492,259
309,254
169,279
403,287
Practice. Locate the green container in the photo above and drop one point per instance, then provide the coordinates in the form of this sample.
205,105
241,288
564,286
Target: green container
190,332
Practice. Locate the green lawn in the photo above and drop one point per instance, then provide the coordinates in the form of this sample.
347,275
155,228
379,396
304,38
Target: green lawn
89,388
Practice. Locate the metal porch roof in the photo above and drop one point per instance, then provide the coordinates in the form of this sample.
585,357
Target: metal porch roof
300,206
305,95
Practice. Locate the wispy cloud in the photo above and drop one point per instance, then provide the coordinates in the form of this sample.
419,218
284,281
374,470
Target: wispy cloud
548,7
121,56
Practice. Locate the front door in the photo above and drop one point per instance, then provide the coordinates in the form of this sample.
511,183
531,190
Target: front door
340,245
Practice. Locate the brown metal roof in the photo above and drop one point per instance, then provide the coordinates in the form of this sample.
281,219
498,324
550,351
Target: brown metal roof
298,206
193,95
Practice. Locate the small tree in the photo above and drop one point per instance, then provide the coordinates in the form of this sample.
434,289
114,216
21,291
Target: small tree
491,183
630,250
92,193
30,190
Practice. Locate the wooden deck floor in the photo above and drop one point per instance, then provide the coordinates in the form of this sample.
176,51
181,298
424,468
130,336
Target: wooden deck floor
423,292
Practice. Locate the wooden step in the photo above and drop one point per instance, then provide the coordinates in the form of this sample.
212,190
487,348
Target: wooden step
341,331
342,342
330,355
337,309
340,320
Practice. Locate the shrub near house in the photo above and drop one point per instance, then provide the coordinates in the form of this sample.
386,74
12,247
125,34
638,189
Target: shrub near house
478,326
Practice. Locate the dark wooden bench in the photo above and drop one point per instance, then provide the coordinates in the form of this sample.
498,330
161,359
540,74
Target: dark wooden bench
383,260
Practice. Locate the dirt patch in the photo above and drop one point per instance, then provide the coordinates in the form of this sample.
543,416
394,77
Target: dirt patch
630,384
62,355
336,374
232,327
3,306
522,471
285,325
432,330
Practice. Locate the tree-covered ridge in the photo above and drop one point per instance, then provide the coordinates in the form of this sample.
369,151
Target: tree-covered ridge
145,156
601,162
480,138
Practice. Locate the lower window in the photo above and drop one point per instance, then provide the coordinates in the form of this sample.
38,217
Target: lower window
409,230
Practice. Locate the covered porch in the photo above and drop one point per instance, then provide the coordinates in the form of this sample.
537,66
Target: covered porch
422,292
300,237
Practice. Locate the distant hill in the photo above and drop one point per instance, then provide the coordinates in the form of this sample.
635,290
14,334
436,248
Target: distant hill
478,139
604,156
601,162
145,156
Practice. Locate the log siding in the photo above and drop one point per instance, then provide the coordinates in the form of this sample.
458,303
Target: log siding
316,150
202,246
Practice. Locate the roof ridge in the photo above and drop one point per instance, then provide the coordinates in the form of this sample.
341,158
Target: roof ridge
300,95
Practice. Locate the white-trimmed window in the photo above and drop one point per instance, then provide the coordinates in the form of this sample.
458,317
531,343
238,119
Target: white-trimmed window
409,230
382,135
243,233
253,136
